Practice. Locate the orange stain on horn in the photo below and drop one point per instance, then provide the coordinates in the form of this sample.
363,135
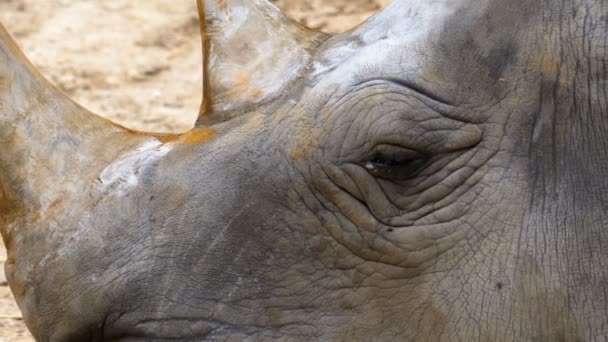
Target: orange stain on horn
197,136
193,137
242,81
256,94
242,87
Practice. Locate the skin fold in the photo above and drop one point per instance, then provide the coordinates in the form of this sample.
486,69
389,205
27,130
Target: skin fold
439,173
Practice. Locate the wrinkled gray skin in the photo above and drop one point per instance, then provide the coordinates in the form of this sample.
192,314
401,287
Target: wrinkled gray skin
486,218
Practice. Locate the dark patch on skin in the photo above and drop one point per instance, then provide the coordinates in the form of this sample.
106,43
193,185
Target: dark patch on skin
480,44
499,58
496,57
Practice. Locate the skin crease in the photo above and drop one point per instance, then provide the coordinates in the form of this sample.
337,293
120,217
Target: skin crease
297,215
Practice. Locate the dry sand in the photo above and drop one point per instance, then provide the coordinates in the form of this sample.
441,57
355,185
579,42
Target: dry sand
136,62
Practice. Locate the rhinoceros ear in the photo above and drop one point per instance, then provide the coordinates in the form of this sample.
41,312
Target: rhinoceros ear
252,52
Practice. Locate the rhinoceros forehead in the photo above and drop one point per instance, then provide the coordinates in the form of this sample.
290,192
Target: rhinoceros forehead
403,24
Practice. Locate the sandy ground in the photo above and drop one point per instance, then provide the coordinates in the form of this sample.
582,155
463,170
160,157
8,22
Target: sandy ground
136,62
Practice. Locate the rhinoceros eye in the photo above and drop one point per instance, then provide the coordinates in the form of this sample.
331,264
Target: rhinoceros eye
395,163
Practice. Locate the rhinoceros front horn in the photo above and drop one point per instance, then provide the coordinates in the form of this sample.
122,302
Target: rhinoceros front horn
252,52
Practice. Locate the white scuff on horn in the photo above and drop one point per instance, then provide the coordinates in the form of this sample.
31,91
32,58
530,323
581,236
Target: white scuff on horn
123,174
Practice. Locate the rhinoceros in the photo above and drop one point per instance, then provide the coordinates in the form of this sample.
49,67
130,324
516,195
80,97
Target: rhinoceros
439,172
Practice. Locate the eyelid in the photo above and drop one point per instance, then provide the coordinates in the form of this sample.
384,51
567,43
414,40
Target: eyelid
406,162
397,152
413,87
396,173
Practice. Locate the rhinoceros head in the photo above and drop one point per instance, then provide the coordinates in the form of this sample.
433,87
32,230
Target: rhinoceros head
438,173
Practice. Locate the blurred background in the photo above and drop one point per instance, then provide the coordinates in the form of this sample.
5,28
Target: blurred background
136,62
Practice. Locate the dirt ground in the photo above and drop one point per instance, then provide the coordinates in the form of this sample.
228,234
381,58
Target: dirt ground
136,62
